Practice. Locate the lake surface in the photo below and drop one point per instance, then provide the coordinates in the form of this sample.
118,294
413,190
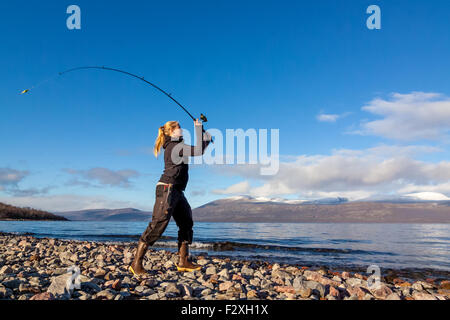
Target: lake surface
396,246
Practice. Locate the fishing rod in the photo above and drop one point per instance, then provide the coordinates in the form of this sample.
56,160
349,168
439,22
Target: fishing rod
202,116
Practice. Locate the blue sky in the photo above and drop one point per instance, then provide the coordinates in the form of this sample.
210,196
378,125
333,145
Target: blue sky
82,140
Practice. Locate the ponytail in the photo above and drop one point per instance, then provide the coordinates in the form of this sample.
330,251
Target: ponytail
159,141
162,131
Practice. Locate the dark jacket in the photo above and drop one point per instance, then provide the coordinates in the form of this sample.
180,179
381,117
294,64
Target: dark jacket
176,157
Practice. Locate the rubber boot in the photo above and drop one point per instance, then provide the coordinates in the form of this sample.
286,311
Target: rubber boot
136,267
184,264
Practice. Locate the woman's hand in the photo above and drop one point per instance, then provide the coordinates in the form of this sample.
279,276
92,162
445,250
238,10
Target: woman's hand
197,123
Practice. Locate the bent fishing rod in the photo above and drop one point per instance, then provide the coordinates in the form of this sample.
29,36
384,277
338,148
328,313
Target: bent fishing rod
202,116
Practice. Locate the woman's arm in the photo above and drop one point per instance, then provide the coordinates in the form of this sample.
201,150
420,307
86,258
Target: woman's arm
201,142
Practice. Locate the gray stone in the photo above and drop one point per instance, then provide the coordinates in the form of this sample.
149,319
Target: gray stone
315,286
60,286
90,286
299,283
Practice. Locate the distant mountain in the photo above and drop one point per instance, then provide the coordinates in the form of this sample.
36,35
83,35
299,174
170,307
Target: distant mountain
249,209
126,214
8,212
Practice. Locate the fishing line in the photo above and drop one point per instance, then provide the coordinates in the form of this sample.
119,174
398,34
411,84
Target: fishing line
202,116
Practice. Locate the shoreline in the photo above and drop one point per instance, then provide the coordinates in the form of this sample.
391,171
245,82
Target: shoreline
36,268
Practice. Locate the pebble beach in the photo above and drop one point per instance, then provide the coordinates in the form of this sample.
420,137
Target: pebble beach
37,269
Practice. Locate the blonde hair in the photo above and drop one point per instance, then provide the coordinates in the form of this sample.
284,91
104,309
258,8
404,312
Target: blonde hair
166,129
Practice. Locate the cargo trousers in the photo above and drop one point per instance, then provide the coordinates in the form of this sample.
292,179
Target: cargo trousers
169,202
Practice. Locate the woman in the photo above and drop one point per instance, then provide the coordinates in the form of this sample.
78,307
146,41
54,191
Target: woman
170,200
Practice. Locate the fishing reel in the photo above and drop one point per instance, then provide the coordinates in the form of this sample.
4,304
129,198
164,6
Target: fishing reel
204,119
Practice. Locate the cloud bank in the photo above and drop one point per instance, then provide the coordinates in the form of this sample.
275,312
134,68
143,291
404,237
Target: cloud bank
409,117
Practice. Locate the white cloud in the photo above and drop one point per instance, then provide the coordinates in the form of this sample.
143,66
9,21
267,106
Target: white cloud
103,176
408,117
354,174
11,177
327,117
428,196
239,188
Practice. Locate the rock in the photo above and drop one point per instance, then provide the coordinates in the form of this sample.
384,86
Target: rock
317,277
12,284
205,292
168,264
90,286
423,296
382,292
316,287
354,282
185,290
445,284
237,277
246,271
5,293
210,271
6,270
357,291
99,273
172,288
140,289
278,273
345,275
299,283
116,285
332,291
43,296
60,286
251,294
108,294
224,286
224,274
417,286
393,296
255,282
304,292
202,262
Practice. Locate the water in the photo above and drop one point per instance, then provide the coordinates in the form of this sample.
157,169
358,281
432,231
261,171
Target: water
393,246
